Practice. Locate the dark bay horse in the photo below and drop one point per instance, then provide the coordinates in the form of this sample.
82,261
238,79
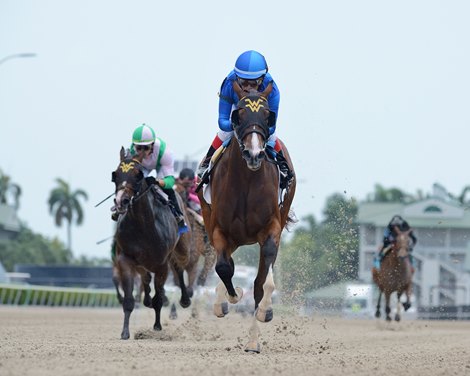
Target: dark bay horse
395,274
147,239
245,207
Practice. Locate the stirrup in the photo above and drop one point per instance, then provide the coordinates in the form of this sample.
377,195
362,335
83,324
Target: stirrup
203,168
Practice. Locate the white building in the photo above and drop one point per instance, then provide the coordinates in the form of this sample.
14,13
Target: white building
442,254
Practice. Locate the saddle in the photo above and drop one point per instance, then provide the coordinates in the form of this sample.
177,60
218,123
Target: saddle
215,158
273,157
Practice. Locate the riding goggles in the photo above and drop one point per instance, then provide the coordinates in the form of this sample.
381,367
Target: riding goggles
143,147
244,82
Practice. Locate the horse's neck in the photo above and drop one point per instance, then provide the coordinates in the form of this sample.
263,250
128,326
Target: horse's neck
396,262
233,161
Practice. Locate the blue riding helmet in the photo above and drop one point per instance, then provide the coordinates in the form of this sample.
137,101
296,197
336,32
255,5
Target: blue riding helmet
251,65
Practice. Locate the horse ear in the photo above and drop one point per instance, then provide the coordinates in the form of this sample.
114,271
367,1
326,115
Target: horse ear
235,117
122,153
268,90
238,90
271,119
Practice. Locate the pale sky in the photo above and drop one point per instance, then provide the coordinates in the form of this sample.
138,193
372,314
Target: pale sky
371,92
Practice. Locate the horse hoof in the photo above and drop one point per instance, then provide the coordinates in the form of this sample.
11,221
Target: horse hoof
397,318
264,315
377,314
157,327
125,334
235,299
185,303
253,347
220,310
388,318
406,306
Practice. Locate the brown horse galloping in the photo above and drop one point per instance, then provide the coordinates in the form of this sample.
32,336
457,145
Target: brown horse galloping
245,207
146,240
395,274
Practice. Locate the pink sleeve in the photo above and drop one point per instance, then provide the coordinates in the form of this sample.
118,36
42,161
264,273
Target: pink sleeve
193,197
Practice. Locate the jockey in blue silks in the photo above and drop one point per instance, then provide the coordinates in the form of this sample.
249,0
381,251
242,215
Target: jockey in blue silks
250,72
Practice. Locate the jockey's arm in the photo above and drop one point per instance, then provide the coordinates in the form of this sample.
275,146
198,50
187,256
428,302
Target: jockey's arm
273,101
166,172
226,103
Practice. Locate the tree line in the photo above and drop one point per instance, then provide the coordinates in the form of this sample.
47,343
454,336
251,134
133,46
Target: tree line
313,255
65,206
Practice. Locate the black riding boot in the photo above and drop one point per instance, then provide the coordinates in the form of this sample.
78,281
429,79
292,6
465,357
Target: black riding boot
205,162
286,173
176,210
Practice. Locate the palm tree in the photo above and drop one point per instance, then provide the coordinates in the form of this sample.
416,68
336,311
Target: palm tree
65,205
8,188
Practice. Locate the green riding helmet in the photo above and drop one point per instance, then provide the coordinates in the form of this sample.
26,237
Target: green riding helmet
143,135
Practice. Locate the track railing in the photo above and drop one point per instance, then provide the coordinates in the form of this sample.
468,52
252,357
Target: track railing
33,295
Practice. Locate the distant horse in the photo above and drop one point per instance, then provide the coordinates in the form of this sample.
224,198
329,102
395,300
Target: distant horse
200,246
395,274
245,206
146,239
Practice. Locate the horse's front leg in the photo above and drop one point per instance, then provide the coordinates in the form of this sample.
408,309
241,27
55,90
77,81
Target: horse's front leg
128,302
387,306
263,290
397,314
157,301
407,304
264,282
377,312
146,278
225,269
185,301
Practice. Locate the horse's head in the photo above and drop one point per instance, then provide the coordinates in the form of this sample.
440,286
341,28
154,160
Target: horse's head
402,242
251,122
128,179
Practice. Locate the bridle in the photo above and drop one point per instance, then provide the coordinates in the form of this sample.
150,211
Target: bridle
254,123
133,190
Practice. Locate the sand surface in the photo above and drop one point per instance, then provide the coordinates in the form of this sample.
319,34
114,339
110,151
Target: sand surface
61,341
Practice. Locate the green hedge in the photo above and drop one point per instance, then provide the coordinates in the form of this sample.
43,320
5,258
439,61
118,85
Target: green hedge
56,296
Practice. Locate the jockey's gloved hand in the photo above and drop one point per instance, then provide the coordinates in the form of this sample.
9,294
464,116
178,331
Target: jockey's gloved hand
150,180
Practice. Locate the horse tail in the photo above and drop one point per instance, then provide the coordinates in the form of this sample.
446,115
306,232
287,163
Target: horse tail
291,220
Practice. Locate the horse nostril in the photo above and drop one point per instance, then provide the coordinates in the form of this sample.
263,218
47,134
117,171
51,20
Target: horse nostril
246,154
262,154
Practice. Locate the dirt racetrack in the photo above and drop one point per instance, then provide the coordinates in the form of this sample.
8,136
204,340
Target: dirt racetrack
61,341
